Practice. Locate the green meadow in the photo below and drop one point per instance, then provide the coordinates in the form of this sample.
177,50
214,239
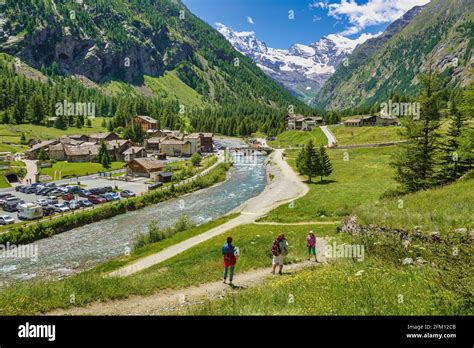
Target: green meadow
359,176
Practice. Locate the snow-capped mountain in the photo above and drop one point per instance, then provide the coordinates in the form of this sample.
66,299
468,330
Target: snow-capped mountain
302,69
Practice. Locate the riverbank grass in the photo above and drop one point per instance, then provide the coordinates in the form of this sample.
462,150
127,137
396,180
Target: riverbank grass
198,265
294,138
365,135
359,176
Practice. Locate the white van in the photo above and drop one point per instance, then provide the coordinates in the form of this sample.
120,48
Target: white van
30,211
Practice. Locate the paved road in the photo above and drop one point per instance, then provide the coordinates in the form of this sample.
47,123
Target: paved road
285,187
331,138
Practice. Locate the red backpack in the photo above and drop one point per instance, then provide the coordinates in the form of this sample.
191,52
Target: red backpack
276,249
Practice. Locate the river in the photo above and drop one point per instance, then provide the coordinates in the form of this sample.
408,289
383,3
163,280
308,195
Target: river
85,247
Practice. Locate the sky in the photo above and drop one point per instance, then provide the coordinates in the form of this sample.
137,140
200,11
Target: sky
282,23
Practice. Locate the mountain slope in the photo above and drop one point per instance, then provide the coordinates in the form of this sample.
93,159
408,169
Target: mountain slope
302,69
119,40
442,29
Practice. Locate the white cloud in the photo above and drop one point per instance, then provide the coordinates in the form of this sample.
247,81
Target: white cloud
318,4
250,20
373,12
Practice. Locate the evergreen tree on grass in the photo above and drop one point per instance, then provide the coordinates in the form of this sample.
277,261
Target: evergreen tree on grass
325,166
104,157
308,161
452,164
416,161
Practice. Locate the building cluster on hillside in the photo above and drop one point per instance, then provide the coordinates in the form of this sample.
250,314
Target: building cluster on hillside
85,148
143,159
306,123
371,120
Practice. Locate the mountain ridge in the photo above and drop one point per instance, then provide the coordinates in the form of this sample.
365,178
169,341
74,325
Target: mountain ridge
390,63
302,69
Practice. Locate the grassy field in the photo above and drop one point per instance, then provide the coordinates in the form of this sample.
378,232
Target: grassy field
3,181
347,287
70,169
361,179
198,265
295,138
170,87
364,135
442,209
11,133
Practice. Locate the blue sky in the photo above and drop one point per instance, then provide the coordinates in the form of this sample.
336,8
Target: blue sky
270,21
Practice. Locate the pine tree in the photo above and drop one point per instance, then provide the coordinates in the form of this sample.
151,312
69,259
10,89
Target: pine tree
42,155
416,161
325,167
60,123
308,161
452,166
104,157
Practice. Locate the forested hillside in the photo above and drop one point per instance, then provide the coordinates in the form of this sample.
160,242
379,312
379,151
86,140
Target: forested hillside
148,57
441,34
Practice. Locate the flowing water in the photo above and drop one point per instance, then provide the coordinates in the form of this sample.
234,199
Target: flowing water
87,246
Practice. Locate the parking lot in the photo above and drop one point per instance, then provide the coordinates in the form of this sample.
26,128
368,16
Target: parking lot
137,186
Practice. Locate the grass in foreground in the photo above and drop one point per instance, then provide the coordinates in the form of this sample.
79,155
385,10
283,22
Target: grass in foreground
365,135
441,209
361,179
296,138
71,169
197,265
437,282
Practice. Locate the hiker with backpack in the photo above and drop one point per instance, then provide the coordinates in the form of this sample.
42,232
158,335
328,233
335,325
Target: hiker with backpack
229,252
279,251
311,244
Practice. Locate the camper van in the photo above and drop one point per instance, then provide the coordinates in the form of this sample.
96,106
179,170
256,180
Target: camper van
30,211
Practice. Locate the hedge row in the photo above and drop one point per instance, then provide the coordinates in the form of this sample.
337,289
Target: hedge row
30,233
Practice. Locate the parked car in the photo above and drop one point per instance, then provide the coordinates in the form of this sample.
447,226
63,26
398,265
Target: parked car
68,197
98,190
52,200
127,193
6,220
50,184
45,191
19,187
84,203
61,208
73,189
5,195
31,189
73,205
111,196
97,199
56,193
42,202
10,206
85,193
155,186
48,210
